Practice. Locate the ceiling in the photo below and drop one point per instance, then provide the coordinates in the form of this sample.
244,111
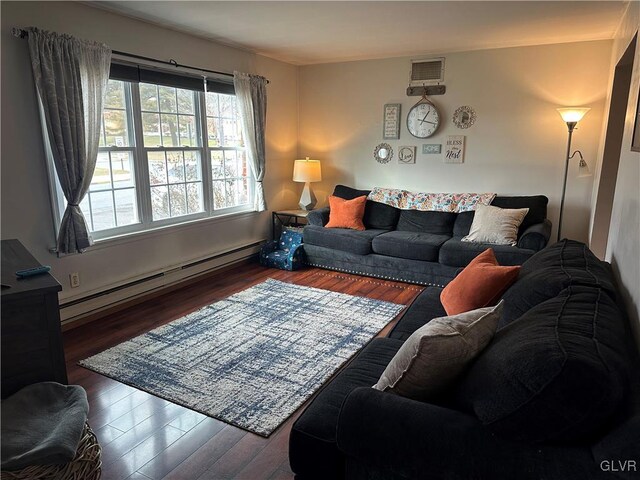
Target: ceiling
308,32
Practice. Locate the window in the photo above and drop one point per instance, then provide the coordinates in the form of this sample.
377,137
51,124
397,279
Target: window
167,155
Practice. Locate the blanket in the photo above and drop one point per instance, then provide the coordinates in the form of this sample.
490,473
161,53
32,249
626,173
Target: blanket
42,424
439,202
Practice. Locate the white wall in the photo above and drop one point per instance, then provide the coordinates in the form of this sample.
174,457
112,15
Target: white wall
517,145
623,248
26,209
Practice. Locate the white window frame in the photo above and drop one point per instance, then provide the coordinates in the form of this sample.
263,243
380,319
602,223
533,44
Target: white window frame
141,173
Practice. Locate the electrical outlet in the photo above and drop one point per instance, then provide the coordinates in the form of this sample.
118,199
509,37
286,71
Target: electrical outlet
74,279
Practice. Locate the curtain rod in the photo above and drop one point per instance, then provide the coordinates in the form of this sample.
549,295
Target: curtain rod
22,33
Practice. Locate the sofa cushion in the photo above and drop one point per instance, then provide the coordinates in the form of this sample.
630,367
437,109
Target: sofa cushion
312,444
440,223
411,245
495,225
479,285
436,354
424,308
353,241
346,213
537,205
457,253
376,215
550,271
557,374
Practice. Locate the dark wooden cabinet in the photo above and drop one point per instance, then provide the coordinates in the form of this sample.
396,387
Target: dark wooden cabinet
30,320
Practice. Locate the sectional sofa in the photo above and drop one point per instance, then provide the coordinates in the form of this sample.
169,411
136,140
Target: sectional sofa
421,247
554,395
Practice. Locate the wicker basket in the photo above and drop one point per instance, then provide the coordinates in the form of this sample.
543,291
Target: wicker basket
86,465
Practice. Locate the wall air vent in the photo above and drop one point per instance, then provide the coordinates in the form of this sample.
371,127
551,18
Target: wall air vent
428,71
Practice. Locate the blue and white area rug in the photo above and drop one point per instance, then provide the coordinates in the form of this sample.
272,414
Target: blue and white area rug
252,359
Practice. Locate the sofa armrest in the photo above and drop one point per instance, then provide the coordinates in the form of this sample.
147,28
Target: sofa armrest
408,438
397,437
536,236
319,217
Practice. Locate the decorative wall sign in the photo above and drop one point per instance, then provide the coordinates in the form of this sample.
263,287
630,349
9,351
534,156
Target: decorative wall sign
407,155
464,117
383,153
431,148
454,149
391,121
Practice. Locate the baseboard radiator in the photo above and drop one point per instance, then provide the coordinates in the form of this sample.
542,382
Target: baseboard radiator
78,308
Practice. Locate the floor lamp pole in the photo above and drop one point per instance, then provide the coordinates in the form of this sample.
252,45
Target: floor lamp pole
570,126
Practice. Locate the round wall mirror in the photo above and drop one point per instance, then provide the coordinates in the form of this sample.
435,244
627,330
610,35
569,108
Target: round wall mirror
383,153
464,117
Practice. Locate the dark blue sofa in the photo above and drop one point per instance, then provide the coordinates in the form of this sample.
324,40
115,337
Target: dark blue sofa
414,246
552,397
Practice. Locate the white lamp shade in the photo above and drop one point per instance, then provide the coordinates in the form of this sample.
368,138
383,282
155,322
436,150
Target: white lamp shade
307,171
572,114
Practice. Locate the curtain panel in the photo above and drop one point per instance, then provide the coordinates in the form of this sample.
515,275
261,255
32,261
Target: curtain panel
251,93
71,78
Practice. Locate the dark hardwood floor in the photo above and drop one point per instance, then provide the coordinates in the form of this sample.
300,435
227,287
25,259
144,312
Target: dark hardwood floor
145,437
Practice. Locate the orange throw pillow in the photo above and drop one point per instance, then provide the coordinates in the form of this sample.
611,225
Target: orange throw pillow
346,213
479,285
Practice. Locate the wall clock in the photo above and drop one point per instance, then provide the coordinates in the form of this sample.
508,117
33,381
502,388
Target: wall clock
423,119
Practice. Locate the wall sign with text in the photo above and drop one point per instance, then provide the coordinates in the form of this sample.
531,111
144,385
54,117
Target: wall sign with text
454,149
431,148
391,121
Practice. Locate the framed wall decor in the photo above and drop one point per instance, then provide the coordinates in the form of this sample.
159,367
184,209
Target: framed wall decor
464,117
454,149
391,121
431,148
407,155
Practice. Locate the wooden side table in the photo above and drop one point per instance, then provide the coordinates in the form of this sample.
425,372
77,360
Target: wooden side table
31,335
284,218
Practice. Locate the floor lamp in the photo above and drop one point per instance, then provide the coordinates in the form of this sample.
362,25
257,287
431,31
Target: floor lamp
571,115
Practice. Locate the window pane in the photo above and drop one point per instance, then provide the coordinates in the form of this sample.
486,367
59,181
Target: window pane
243,168
114,96
101,179
230,166
126,210
115,128
243,192
212,104
218,194
194,198
192,166
178,199
160,202
187,131
102,209
175,166
157,168
231,193
122,169
149,97
151,129
232,137
167,96
185,101
217,164
227,105
213,132
169,130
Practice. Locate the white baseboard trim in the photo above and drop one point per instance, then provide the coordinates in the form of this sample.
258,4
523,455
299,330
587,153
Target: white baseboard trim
73,310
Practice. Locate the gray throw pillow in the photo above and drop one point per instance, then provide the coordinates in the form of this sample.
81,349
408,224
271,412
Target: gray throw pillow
435,355
496,225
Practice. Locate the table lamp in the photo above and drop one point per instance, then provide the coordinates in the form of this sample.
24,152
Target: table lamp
307,171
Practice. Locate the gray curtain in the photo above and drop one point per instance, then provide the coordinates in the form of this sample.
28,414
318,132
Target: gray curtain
251,92
71,78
